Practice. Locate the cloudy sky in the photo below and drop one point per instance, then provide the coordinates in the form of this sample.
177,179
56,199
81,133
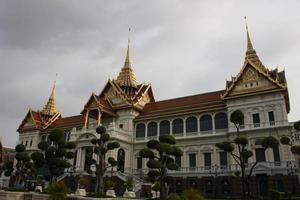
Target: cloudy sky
181,47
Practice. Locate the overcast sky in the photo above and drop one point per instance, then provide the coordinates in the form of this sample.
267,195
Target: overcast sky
181,47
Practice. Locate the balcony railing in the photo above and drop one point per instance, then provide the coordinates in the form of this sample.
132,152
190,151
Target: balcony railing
261,167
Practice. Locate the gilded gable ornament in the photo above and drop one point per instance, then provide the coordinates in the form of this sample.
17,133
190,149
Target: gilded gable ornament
250,75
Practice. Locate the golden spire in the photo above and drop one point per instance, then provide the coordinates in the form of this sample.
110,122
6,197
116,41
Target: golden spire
250,52
50,108
126,77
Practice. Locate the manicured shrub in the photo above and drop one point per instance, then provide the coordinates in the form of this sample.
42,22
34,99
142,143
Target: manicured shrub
192,194
58,191
274,195
174,196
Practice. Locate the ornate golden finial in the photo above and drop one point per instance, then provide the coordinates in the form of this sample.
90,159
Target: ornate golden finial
249,43
126,77
50,108
250,52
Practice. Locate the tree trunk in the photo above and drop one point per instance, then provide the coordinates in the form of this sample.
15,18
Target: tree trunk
99,177
163,189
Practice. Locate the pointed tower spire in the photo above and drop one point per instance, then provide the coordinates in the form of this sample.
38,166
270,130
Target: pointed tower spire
250,52
50,108
126,77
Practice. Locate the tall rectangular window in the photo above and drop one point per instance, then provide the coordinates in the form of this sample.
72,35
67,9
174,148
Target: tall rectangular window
276,154
256,120
139,163
223,159
271,118
178,160
260,155
192,159
207,160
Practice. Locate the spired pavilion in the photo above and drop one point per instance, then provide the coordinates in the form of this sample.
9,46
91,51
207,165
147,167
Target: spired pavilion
132,117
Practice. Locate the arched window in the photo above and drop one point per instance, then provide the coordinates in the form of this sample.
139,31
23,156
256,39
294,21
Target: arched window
177,126
205,123
121,160
140,130
221,121
164,127
152,129
191,125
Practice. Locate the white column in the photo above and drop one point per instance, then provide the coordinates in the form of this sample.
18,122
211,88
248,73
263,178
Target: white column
82,158
78,158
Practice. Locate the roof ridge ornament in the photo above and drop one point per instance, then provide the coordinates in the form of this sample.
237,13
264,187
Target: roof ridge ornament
250,51
126,77
50,108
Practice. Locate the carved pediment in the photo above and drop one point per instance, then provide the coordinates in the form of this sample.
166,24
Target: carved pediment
251,80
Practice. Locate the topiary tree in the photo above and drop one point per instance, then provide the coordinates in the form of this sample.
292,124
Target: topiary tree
101,147
287,140
161,154
7,168
54,158
239,151
23,167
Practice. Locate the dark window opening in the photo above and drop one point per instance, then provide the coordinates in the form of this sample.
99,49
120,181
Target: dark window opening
192,159
140,130
256,120
260,154
205,123
221,121
191,125
152,129
164,128
177,126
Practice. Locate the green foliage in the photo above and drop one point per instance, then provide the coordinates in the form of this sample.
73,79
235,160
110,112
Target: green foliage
146,153
70,145
241,141
94,141
285,140
101,147
112,161
105,137
274,195
156,186
154,164
172,166
43,145
270,142
173,196
20,148
129,183
58,191
153,174
177,151
56,135
53,160
162,160
113,145
151,144
237,117
110,184
192,194
225,146
297,125
247,154
165,147
101,130
169,139
70,154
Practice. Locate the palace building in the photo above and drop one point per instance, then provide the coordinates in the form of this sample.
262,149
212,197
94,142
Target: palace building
132,117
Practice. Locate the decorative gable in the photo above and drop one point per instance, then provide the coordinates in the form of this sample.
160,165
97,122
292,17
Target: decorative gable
251,80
